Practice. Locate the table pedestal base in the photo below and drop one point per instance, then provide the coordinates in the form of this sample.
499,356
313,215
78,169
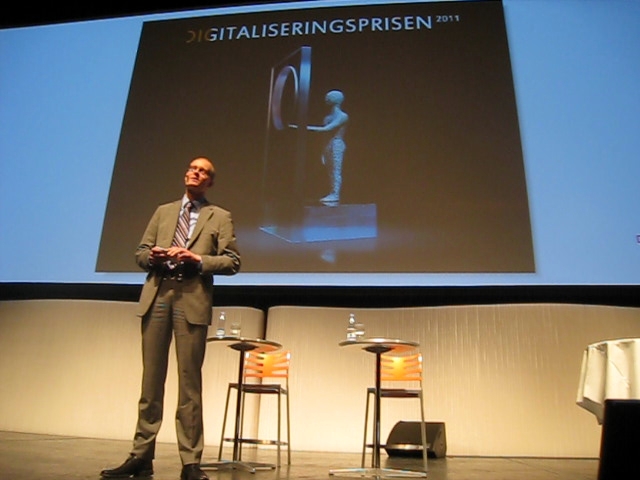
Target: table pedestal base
377,473
250,467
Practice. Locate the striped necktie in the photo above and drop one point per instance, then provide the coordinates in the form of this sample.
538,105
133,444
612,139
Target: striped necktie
182,230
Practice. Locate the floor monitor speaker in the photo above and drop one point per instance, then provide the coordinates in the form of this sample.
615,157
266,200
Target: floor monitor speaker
405,440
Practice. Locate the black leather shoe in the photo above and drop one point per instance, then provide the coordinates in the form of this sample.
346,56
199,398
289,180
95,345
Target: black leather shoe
193,471
132,467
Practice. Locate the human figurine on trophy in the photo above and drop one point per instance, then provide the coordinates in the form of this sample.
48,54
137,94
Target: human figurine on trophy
333,155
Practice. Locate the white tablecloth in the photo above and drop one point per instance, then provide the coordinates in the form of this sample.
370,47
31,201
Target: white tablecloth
610,369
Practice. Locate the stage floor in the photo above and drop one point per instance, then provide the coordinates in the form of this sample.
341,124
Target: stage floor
49,457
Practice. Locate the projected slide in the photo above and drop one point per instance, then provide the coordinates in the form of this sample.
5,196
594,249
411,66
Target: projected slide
395,144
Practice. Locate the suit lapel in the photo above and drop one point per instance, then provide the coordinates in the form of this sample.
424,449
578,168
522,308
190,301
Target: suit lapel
206,212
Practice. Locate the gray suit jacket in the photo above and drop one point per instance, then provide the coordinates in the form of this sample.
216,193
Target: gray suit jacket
213,238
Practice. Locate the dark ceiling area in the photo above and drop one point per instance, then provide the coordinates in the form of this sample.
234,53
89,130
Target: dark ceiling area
22,15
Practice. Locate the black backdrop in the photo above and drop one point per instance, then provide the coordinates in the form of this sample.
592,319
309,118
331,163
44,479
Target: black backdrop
357,297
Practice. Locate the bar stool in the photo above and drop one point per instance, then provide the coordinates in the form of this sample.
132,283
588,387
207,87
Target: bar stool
399,368
261,366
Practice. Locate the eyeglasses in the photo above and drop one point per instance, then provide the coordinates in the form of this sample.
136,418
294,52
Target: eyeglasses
199,170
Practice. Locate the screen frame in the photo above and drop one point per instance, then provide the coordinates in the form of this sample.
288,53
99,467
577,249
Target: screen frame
323,295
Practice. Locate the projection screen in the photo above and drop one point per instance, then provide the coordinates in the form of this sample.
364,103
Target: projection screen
476,142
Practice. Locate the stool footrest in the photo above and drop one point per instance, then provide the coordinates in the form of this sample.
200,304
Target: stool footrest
256,441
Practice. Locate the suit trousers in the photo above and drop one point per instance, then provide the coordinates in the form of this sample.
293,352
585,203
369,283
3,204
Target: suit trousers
166,319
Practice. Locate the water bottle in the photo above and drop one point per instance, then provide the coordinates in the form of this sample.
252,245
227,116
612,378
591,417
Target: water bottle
220,332
351,328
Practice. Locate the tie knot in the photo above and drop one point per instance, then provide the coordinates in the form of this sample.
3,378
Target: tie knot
188,206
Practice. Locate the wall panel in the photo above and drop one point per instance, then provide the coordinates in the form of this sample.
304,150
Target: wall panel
503,378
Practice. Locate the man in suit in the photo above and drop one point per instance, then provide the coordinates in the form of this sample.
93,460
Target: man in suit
181,255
